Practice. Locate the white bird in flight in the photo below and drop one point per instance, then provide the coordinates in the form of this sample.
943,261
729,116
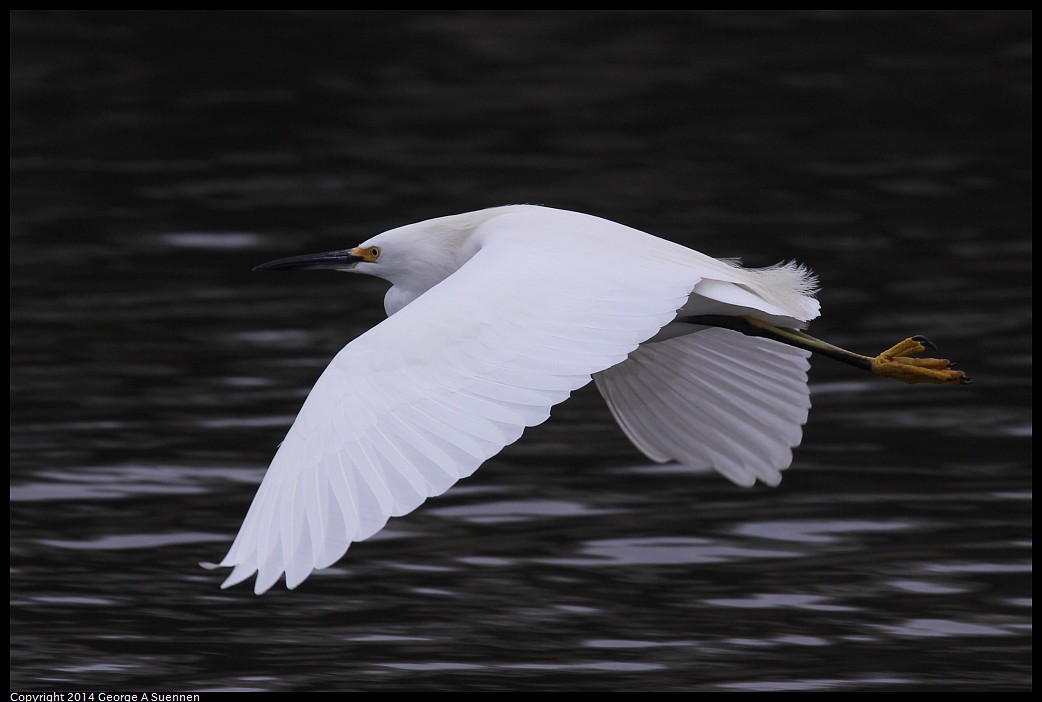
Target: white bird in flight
496,316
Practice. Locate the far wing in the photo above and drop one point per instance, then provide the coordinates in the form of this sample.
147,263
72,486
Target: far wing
713,398
425,397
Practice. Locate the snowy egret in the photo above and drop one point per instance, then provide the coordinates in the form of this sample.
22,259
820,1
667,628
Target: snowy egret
496,316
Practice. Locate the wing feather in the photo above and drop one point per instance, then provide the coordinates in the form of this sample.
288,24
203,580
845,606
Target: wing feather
716,398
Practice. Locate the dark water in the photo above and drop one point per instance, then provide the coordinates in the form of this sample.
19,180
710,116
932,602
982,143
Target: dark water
155,158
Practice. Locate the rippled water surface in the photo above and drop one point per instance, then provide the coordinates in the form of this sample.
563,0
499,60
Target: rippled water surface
157,157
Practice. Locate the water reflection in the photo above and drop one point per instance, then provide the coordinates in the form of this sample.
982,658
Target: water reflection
670,551
943,627
493,512
780,601
816,532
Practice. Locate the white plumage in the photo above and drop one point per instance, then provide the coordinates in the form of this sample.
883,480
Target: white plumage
495,317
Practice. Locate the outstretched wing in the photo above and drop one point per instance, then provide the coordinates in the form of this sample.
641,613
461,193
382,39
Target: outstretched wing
713,398
423,398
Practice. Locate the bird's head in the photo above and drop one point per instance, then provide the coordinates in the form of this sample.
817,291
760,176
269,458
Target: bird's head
388,257
415,257
410,258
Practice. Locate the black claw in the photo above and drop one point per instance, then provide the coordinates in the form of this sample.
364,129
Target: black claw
924,341
965,381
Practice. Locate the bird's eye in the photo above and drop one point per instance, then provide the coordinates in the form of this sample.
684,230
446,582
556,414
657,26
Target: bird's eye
374,251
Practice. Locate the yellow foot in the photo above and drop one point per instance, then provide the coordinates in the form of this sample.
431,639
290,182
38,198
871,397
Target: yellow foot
896,363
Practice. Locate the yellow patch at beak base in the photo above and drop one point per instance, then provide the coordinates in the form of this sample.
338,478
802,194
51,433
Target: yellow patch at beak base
368,253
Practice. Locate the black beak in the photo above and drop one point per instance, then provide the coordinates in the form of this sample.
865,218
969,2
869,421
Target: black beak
330,260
